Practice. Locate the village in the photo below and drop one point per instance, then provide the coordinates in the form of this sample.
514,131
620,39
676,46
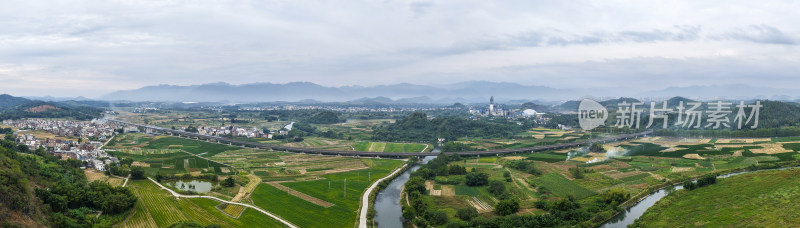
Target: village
80,140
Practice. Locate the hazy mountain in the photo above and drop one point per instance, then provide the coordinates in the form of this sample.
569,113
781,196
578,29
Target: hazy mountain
735,91
8,101
474,91
464,92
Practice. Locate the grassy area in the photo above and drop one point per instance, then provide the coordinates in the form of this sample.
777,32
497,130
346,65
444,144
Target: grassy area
306,214
761,199
205,149
389,147
157,208
561,186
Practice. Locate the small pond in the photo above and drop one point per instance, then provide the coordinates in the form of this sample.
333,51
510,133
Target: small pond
199,186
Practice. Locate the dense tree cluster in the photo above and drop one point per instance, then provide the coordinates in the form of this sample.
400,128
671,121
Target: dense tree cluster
41,187
325,117
706,180
525,166
41,109
456,147
418,127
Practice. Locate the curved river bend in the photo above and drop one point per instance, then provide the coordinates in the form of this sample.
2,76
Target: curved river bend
632,213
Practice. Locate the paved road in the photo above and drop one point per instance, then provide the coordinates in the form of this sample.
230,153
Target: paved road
362,222
287,223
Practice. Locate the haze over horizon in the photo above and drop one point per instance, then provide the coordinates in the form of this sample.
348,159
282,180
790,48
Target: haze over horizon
87,48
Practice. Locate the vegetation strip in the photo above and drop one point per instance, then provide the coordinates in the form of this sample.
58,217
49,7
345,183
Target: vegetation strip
362,221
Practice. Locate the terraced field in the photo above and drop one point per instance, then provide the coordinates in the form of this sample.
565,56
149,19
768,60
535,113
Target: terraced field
390,147
307,214
156,208
205,149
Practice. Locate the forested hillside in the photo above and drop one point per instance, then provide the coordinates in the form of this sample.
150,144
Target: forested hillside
417,127
40,190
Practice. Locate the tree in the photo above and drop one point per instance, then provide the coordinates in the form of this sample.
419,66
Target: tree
597,147
415,184
457,170
614,196
706,180
477,179
437,217
466,213
577,172
228,182
426,173
497,188
126,161
507,207
137,173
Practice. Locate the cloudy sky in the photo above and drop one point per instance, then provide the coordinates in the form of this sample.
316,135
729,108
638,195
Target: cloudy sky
90,48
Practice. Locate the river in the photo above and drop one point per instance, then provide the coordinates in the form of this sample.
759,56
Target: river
387,202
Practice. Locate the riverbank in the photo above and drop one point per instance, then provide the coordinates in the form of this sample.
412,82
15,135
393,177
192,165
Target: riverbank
368,197
763,198
637,199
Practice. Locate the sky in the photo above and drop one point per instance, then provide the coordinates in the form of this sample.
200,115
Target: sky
92,48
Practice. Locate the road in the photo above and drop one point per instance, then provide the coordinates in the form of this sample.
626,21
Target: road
287,223
362,221
498,152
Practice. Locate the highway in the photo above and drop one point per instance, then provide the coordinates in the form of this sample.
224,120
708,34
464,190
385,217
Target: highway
379,154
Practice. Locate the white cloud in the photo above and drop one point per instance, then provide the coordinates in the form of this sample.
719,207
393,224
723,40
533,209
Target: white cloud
122,44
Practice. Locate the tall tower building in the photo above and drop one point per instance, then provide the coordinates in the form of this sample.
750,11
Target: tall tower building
491,105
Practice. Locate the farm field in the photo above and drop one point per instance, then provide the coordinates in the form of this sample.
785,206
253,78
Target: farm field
760,199
157,208
633,166
391,147
307,214
200,148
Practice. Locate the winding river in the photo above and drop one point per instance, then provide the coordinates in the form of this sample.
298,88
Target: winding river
387,202
389,212
632,213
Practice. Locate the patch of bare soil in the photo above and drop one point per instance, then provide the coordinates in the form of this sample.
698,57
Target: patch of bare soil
41,108
693,156
301,195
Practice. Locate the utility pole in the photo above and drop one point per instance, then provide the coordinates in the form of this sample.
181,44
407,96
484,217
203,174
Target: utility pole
345,188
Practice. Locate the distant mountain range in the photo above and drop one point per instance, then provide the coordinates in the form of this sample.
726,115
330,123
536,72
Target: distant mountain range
464,92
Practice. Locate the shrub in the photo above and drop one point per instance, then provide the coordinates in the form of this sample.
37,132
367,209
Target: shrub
228,182
706,180
466,213
497,188
437,217
689,185
506,207
477,179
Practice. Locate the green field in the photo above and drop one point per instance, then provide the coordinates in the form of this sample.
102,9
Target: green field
205,149
761,199
389,147
157,208
561,186
306,214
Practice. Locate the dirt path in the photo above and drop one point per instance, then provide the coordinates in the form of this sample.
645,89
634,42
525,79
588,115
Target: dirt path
245,191
301,195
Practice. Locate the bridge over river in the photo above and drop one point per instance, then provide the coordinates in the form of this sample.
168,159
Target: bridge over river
235,142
